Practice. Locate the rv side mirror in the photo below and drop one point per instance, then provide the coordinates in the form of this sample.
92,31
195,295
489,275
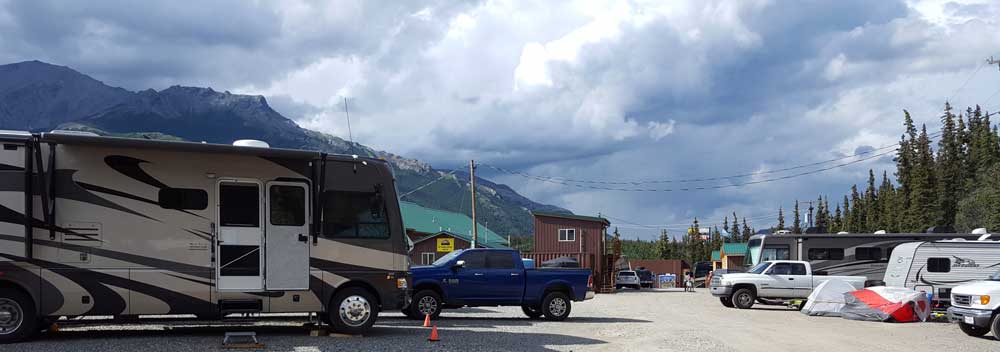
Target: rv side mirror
458,264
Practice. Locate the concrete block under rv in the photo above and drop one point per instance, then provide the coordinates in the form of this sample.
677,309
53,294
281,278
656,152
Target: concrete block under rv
124,227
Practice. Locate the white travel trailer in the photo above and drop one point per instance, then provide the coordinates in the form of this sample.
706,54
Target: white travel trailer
936,267
127,227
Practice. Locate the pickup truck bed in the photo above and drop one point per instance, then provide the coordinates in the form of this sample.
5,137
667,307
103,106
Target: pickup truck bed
496,277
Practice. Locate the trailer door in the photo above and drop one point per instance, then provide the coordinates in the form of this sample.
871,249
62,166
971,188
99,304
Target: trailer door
287,236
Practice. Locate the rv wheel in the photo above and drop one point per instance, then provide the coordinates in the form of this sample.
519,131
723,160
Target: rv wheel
972,330
17,316
744,298
353,311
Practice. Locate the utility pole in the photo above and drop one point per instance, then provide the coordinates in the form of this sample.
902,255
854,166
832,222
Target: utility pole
472,181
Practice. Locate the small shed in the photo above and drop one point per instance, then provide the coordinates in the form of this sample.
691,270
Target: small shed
662,266
732,255
583,238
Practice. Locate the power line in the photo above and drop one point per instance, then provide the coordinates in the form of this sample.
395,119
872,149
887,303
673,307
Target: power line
428,183
702,179
966,81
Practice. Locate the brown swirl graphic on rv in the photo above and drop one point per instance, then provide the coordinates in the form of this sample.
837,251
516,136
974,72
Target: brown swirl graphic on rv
67,189
129,166
48,294
5,167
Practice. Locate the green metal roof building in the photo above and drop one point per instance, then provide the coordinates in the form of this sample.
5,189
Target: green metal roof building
422,223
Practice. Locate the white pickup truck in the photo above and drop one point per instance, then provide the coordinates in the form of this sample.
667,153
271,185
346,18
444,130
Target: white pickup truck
976,307
769,281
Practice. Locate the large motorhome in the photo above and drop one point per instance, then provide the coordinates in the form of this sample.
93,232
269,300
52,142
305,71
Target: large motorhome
839,254
130,227
936,267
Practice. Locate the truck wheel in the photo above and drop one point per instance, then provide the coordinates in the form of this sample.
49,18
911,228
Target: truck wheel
996,326
427,302
744,298
18,320
532,311
410,313
972,330
353,311
556,306
727,301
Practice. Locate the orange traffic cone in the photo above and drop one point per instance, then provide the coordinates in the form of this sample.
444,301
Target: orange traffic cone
427,321
434,334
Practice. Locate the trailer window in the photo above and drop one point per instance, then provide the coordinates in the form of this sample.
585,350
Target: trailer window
938,265
826,254
183,198
239,205
288,205
354,215
868,253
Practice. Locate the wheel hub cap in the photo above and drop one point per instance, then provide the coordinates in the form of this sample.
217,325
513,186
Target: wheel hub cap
11,316
557,307
427,305
355,310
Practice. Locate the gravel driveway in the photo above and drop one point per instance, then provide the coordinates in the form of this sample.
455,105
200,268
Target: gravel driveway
627,321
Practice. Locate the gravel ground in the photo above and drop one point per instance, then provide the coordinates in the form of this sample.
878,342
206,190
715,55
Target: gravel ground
627,321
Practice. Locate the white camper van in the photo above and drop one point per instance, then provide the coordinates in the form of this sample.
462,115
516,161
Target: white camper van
936,267
128,227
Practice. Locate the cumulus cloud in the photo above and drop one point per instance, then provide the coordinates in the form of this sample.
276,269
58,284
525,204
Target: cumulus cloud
638,90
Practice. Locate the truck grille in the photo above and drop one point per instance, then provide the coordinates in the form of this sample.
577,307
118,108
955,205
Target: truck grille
961,300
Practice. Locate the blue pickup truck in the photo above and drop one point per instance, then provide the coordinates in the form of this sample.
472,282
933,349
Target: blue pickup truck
496,277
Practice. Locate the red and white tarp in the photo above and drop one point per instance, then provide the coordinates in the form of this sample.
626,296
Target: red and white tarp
888,304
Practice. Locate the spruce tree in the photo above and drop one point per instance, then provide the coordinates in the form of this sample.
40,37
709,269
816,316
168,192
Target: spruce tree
887,212
845,223
796,221
781,219
923,203
857,211
837,221
747,232
820,218
948,169
734,234
905,161
871,204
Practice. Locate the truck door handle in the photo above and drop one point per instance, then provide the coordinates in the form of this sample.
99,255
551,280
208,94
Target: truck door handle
514,274
478,274
791,278
303,238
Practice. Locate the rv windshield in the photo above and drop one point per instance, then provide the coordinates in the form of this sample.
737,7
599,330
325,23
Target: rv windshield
754,246
759,268
447,258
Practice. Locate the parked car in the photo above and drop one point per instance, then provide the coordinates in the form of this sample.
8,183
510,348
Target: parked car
627,278
773,280
976,307
496,277
646,277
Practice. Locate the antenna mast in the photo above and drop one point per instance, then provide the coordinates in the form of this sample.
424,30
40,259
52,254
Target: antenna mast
350,135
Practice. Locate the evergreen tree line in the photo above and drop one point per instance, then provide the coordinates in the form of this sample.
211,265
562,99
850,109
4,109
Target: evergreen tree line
956,184
692,247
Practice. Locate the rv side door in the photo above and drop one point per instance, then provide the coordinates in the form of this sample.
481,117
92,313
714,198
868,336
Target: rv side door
286,238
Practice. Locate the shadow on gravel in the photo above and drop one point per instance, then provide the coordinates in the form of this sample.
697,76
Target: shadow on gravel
290,338
485,322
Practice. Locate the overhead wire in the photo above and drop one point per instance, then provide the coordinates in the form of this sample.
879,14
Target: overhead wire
428,183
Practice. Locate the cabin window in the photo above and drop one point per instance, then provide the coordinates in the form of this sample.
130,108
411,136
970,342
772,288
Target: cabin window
354,215
427,258
239,205
183,198
499,260
938,265
288,205
868,253
826,254
567,235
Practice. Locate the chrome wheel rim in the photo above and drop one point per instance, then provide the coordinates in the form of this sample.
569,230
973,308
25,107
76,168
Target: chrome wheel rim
355,311
427,305
744,299
11,316
557,306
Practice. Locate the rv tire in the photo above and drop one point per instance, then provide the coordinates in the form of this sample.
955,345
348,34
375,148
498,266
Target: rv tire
744,298
352,311
974,331
726,301
19,320
996,326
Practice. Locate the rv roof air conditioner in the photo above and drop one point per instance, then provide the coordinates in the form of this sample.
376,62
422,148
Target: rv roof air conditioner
75,133
980,231
251,143
880,232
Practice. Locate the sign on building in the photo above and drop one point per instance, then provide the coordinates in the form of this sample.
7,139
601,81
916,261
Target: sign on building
446,244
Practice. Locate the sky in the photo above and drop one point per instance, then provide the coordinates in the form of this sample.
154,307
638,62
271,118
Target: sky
616,91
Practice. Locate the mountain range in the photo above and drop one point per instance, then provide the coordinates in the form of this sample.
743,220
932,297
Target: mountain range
38,96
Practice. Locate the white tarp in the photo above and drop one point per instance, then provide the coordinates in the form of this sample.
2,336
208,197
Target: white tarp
827,299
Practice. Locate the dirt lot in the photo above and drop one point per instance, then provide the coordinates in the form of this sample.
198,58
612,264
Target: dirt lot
628,321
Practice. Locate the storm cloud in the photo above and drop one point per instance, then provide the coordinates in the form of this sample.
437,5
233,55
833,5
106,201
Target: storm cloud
586,90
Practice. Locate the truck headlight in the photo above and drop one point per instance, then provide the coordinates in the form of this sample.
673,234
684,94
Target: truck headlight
401,283
984,299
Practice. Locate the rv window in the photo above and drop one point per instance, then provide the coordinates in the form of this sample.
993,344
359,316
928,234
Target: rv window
288,205
826,254
868,253
239,205
183,198
775,252
938,265
354,215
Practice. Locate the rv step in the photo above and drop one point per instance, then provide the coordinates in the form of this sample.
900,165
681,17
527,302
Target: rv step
241,339
229,306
